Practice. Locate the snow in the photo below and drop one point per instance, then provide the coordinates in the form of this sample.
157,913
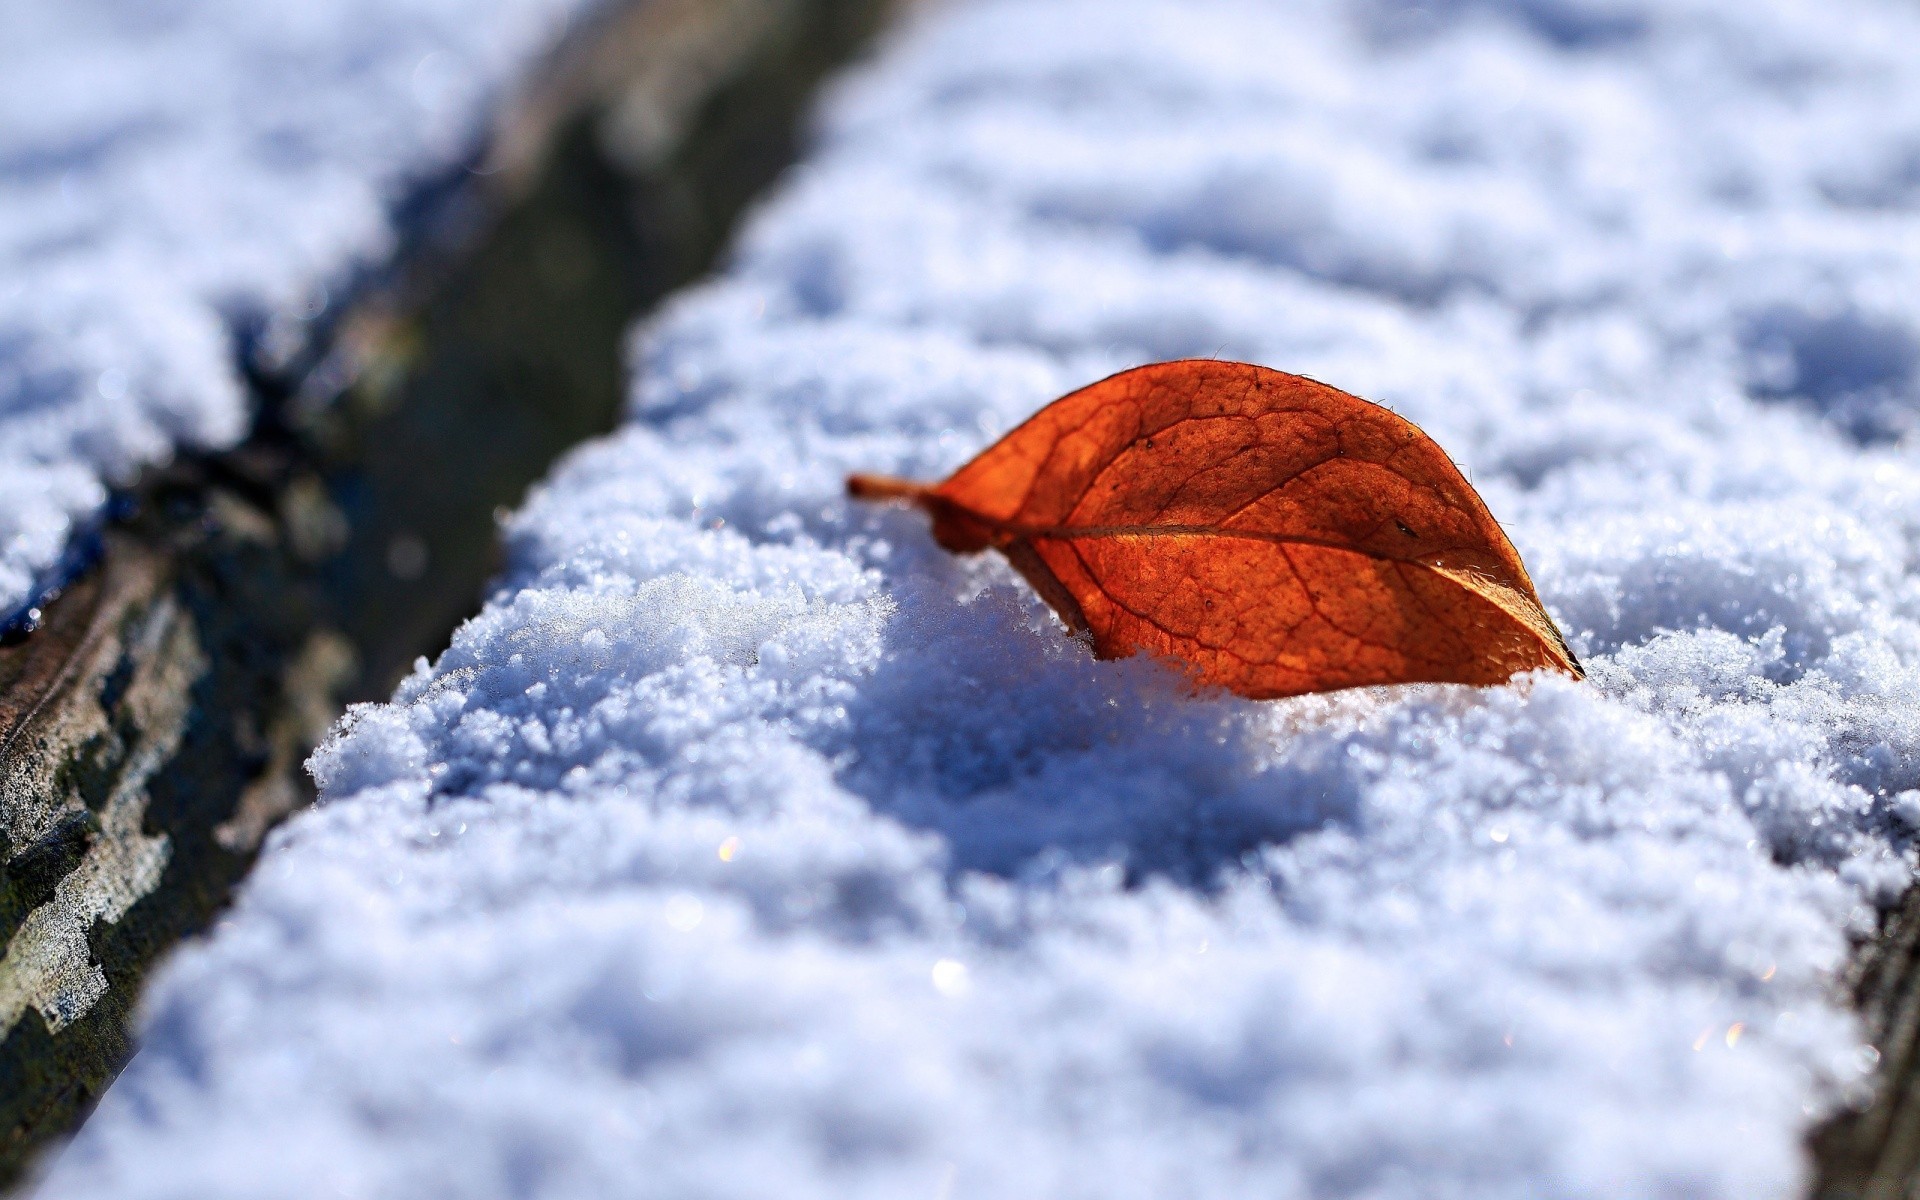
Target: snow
171,171
747,844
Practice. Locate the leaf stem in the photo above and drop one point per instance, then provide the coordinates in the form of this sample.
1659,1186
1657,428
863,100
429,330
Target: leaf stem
884,487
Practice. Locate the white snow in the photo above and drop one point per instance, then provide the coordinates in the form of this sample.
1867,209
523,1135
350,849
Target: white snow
748,845
169,168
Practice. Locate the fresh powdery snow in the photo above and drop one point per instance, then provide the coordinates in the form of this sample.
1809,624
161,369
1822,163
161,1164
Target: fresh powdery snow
748,845
170,169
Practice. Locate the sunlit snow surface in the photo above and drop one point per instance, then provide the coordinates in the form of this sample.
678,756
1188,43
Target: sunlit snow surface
174,170
748,845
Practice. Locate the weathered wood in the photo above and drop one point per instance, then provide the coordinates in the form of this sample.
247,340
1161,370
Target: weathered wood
146,742
152,729
1874,1153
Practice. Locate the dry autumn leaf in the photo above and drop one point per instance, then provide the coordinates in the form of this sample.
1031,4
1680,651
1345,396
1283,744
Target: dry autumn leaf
1275,535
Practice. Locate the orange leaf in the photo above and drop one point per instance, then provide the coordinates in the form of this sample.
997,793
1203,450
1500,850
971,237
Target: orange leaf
1273,534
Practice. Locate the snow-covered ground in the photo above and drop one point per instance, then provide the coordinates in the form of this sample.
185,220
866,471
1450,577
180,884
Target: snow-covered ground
171,167
748,845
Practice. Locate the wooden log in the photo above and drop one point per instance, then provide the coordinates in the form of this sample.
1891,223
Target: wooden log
1873,1152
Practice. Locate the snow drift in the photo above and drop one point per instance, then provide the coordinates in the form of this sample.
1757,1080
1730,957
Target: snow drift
749,845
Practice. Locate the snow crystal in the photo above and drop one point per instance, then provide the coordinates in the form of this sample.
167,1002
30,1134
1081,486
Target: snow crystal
170,169
747,844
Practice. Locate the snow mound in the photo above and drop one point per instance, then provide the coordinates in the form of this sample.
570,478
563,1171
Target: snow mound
747,844
171,170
